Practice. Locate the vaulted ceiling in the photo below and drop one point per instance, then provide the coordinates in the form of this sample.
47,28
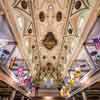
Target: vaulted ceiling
50,31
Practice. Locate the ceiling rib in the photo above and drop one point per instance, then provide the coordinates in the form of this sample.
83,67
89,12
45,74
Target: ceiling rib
71,2
85,32
11,21
34,27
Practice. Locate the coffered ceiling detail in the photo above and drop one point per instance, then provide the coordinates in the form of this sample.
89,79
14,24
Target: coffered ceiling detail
50,31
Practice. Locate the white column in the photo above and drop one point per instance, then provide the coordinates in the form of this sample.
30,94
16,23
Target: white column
73,97
5,98
13,95
22,98
84,96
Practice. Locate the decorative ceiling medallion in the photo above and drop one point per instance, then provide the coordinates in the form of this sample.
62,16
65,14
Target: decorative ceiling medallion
78,4
70,31
24,4
65,46
29,30
59,16
49,64
33,46
42,16
44,57
49,41
54,57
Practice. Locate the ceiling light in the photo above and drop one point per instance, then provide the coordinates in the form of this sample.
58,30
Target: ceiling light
77,68
26,43
50,6
3,43
84,80
20,24
33,65
45,79
34,74
81,21
51,80
64,66
29,92
72,75
48,97
1,13
68,94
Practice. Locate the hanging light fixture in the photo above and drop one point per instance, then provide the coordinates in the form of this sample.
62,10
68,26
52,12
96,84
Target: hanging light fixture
3,42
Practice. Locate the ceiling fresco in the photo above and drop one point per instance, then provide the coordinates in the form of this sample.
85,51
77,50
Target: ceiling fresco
50,31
